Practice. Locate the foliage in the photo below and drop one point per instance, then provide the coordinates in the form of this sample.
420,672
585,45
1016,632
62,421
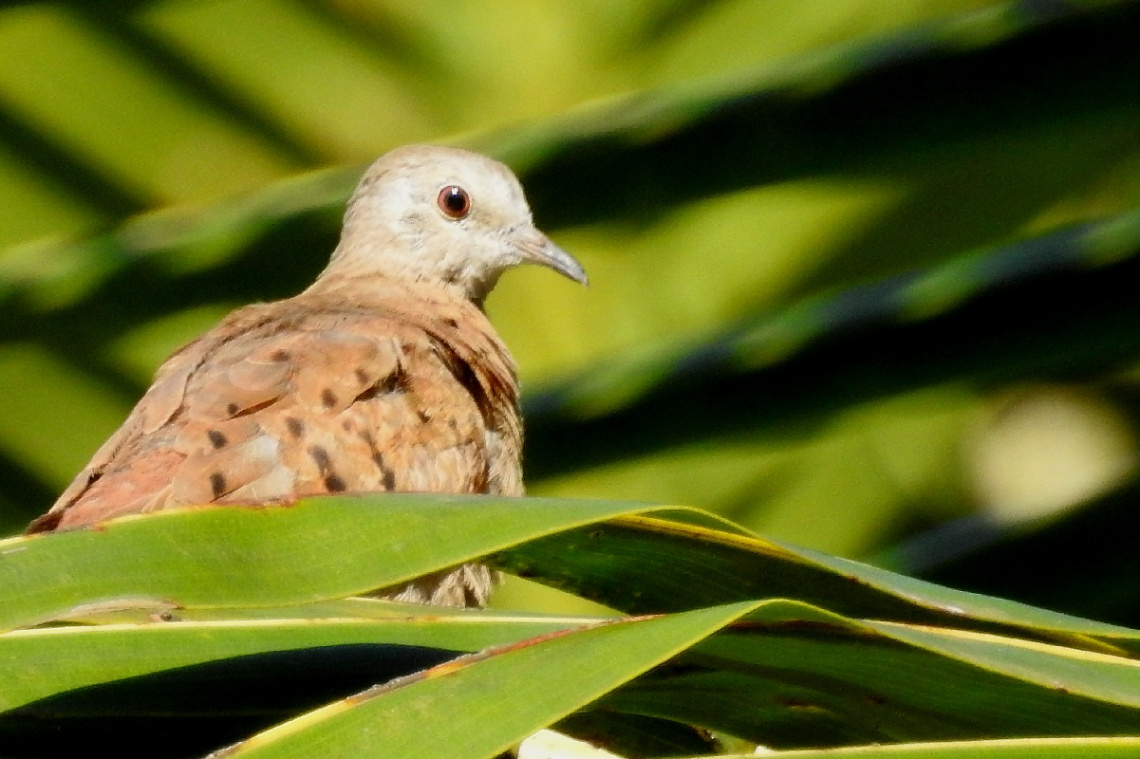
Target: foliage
862,279
213,623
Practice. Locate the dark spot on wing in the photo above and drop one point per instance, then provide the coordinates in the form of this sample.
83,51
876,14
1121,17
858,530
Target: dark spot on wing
388,384
232,408
470,382
279,356
217,439
388,477
295,426
334,483
218,484
321,457
328,398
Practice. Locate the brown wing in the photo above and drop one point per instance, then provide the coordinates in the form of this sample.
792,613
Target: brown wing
305,397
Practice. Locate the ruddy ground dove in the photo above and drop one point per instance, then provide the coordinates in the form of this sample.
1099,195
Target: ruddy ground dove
384,375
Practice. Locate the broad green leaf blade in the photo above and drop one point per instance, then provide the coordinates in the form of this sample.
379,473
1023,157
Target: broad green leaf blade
645,565
479,706
363,608
47,661
1114,679
1027,748
791,676
333,547
785,673
319,549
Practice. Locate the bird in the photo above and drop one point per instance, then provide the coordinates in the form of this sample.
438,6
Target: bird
384,375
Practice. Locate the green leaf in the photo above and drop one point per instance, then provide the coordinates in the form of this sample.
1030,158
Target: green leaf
480,705
790,675
646,565
336,546
44,662
322,548
1029,748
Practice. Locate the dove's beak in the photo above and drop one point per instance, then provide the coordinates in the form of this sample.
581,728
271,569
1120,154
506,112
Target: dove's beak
537,248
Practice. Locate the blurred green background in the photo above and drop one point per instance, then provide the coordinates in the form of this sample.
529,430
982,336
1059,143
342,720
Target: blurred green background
863,272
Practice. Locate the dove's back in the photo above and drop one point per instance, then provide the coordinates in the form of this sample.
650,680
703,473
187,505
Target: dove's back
395,388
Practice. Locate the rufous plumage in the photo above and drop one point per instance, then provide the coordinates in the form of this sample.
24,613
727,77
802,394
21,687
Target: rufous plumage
384,375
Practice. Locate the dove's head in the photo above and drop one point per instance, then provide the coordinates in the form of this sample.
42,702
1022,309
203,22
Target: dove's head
442,216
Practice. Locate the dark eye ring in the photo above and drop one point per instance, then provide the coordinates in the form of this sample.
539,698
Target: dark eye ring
454,201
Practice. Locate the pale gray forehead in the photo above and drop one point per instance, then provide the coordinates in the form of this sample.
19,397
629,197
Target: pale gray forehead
425,170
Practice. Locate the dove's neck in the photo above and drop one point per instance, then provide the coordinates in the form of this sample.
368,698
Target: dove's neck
364,285
391,259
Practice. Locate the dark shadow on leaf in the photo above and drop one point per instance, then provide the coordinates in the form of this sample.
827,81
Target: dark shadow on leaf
69,173
191,81
1062,321
1083,562
23,495
188,711
882,105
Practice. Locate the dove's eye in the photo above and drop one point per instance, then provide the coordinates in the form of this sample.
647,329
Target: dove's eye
454,201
